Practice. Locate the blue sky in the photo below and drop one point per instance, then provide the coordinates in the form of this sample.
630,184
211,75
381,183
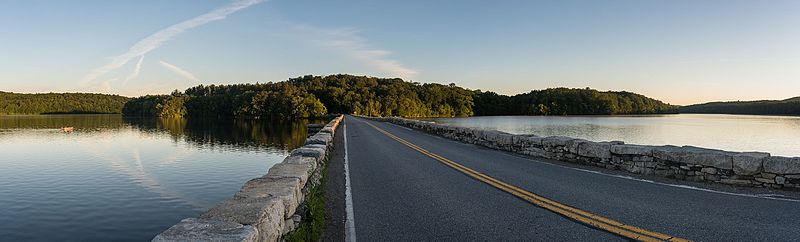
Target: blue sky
681,52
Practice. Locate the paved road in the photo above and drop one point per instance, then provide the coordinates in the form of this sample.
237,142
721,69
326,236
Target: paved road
401,194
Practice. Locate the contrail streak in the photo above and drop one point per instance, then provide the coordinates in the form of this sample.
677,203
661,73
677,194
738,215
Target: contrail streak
135,72
179,71
157,39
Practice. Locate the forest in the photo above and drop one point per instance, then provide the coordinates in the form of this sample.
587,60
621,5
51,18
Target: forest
789,106
60,103
313,96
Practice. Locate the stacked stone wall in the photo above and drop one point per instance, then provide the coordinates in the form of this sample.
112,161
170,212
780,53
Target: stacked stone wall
268,207
757,169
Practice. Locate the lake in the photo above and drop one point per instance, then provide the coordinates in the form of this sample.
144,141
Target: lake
120,179
779,135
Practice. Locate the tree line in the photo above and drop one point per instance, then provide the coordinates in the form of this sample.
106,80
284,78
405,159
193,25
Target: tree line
765,107
313,96
60,103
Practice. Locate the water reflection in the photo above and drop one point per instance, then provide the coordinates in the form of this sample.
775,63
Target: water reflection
211,133
228,134
145,173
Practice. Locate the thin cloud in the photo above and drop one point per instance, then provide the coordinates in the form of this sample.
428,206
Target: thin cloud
350,43
155,40
179,71
136,71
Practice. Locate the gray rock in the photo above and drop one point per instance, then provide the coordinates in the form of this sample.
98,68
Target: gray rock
735,182
288,190
534,140
748,163
554,141
632,150
707,157
320,138
780,180
265,214
193,229
594,149
709,170
328,129
317,153
573,145
669,152
782,165
311,162
286,170
764,180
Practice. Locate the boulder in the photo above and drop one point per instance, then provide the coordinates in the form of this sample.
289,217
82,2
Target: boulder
194,229
748,163
782,165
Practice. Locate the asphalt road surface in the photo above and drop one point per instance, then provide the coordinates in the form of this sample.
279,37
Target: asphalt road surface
405,188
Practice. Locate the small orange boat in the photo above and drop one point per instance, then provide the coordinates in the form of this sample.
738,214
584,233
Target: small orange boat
67,129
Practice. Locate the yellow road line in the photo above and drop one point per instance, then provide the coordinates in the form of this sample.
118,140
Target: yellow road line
584,217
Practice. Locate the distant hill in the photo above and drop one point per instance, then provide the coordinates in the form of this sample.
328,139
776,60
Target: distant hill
310,96
59,103
789,106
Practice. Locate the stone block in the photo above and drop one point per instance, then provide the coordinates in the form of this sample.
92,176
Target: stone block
288,190
595,150
286,170
194,229
709,170
320,138
765,180
780,180
265,214
748,163
554,141
623,149
317,153
735,182
706,157
311,162
782,165
573,145
669,153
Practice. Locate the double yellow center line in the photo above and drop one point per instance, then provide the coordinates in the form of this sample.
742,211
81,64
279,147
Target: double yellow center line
581,216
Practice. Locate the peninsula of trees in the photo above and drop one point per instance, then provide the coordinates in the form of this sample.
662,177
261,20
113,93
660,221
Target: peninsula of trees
789,106
59,103
311,96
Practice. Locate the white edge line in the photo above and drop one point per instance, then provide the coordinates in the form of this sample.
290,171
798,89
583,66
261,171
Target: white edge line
533,158
349,223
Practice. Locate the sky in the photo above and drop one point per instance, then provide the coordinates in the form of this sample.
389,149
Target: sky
681,51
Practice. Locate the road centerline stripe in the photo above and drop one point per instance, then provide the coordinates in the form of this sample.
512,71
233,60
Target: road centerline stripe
575,214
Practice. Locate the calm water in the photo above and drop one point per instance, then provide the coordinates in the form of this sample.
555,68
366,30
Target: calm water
775,134
116,179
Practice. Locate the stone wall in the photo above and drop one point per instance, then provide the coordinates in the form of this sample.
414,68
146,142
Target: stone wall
756,169
268,207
